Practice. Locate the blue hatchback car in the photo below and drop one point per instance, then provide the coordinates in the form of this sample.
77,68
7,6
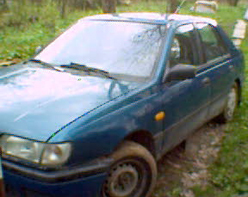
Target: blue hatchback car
92,113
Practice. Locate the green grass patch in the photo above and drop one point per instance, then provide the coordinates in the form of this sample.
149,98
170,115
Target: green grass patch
20,39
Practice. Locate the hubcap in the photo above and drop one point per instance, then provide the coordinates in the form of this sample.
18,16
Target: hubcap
123,181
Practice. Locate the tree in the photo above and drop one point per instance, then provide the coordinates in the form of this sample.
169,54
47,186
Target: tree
173,5
63,4
109,6
3,4
233,2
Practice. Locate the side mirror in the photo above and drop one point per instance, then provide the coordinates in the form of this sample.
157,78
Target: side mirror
181,72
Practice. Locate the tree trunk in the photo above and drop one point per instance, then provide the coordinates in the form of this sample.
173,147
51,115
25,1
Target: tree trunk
173,6
62,7
4,5
233,2
109,6
236,2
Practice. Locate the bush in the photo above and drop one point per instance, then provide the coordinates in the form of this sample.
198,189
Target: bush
23,12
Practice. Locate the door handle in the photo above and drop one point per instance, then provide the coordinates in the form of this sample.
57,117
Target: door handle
206,81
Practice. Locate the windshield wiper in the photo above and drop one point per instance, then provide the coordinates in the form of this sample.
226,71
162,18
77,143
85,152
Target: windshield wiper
88,70
43,64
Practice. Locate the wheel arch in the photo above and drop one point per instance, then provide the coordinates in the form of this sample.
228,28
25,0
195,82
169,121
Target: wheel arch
143,138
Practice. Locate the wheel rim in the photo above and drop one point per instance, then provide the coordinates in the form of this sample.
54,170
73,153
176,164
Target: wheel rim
231,103
126,179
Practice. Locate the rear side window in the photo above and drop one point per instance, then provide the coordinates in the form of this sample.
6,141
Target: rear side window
212,42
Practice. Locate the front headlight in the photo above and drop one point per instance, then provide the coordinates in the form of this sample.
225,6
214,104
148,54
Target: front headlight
36,152
54,154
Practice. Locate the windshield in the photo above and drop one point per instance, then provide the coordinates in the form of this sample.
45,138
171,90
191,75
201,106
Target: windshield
121,48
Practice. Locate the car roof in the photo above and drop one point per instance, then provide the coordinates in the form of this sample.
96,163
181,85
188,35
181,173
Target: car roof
151,17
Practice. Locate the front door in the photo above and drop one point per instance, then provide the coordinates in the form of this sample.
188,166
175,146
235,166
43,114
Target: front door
185,102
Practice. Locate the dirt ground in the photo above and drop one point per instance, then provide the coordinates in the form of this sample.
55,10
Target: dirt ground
187,165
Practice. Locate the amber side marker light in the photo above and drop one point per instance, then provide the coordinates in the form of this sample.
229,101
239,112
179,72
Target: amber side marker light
2,189
160,116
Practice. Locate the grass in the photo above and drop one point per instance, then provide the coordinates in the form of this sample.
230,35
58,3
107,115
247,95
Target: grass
229,174
20,42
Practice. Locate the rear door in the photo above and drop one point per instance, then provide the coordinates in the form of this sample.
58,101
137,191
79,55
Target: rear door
216,66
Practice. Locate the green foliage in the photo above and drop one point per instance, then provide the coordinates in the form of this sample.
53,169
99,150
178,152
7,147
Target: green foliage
145,6
24,12
21,34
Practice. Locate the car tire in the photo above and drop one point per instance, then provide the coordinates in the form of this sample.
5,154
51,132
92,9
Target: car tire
230,106
133,173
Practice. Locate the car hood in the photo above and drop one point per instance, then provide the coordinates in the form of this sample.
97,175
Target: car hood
36,102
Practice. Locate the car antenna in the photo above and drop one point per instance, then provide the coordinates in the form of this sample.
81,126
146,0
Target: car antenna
179,7
176,11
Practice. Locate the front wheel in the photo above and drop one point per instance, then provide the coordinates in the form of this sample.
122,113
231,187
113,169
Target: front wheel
133,173
230,106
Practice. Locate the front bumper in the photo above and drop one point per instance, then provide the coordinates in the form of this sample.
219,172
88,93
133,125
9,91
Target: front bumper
83,181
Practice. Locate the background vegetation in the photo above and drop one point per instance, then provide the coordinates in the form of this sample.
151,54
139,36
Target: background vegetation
26,24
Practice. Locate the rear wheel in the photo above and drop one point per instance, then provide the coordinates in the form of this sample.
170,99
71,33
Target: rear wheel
133,173
230,106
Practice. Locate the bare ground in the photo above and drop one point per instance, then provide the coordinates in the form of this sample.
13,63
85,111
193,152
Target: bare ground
187,165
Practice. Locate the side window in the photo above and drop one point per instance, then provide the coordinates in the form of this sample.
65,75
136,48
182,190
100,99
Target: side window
211,42
182,49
